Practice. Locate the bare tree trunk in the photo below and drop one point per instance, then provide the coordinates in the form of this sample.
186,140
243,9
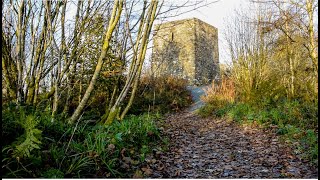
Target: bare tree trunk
312,46
19,50
313,53
290,61
116,13
108,118
142,57
61,54
9,73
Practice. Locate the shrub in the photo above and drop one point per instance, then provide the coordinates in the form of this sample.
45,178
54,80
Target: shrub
218,95
310,142
133,137
161,94
239,112
18,118
11,128
31,138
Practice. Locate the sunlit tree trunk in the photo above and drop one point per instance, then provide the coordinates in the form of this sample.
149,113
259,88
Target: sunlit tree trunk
142,55
112,112
136,64
289,53
116,13
312,43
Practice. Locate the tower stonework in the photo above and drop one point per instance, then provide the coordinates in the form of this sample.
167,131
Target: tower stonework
186,49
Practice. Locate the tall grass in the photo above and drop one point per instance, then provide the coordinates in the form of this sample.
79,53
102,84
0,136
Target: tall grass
217,96
220,94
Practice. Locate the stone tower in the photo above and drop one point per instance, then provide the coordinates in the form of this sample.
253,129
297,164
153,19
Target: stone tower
187,49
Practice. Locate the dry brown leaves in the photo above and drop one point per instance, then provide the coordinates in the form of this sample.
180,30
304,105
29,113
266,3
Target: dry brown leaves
216,148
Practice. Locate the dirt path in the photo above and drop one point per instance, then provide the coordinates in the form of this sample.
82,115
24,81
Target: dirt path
196,92
217,148
212,148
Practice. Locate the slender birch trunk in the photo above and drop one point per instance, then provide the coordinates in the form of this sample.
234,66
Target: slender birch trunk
116,13
142,57
112,113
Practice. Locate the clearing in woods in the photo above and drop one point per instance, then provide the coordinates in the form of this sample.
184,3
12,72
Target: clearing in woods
217,148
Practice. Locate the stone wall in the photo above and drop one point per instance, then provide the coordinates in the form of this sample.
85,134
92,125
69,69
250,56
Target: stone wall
186,49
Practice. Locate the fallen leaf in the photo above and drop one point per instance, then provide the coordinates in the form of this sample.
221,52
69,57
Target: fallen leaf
137,174
160,166
228,167
122,152
127,160
125,166
177,173
153,161
147,171
111,147
209,170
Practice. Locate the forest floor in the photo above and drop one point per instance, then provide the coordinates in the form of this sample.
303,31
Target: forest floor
219,148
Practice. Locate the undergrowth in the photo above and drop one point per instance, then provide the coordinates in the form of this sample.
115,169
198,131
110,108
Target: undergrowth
54,149
296,120
161,94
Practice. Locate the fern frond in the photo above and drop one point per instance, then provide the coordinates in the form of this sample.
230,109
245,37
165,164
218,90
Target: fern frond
32,135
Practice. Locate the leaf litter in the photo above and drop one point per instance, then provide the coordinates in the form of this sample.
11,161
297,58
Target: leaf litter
217,148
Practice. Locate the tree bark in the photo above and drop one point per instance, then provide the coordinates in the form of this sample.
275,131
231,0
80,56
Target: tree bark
116,13
141,58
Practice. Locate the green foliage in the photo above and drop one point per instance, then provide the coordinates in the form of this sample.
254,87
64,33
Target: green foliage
84,150
310,142
240,112
206,111
307,141
296,121
263,116
28,141
212,110
161,94
78,163
32,139
132,131
132,137
11,128
53,173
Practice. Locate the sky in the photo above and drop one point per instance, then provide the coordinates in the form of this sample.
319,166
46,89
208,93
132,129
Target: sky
216,15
